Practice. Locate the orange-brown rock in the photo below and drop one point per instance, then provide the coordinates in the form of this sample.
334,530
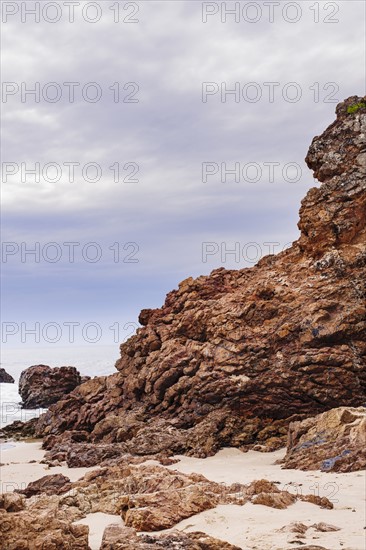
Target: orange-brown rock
331,441
232,357
148,498
29,531
11,502
274,500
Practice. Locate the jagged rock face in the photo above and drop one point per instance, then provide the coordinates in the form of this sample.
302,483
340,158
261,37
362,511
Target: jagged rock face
334,214
331,441
40,385
5,377
230,357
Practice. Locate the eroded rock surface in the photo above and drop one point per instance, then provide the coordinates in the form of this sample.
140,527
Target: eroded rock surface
28,531
124,538
331,441
55,484
41,385
19,429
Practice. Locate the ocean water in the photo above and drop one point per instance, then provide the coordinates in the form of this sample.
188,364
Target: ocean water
90,360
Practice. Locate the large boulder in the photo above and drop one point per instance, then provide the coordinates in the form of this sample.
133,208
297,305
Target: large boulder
5,378
231,358
41,385
331,441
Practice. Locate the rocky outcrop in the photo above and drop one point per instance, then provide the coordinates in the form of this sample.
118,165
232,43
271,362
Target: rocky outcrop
300,529
5,378
11,502
19,429
29,531
333,215
41,386
55,484
147,497
116,537
233,357
331,441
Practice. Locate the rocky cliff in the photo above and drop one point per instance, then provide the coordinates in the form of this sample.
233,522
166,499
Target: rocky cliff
233,357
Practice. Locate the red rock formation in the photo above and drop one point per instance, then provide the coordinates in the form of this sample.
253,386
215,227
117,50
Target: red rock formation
40,385
232,357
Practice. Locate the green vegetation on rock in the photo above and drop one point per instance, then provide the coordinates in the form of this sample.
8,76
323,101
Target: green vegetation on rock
356,107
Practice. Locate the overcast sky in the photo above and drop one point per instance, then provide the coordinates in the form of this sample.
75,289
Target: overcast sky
162,119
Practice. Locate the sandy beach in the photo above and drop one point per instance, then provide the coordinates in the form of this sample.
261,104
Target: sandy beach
259,527
250,526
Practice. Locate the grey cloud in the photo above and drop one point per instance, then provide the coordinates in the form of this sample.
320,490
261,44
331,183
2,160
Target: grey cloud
169,133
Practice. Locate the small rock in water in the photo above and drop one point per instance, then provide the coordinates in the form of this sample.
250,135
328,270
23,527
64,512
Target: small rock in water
5,378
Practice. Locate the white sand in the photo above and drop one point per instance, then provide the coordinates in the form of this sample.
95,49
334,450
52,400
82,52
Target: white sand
256,527
250,526
97,523
18,469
